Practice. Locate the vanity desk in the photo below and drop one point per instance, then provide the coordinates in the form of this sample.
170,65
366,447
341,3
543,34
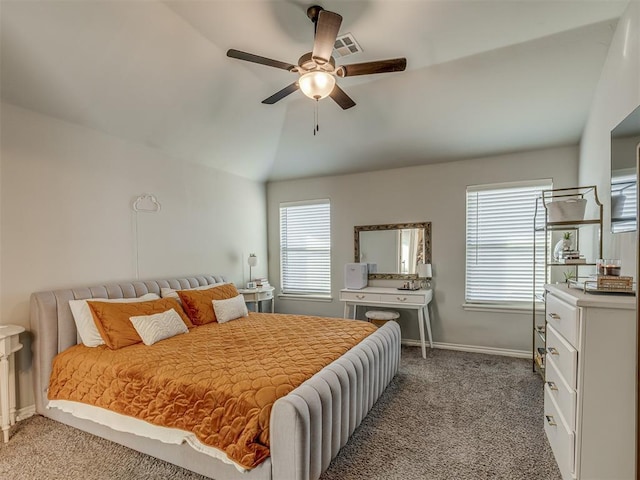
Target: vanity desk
392,298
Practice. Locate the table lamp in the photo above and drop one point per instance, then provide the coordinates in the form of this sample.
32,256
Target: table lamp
252,261
424,274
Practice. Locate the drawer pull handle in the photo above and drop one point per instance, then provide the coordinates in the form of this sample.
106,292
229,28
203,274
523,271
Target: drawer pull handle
553,351
555,316
550,420
360,297
552,386
401,299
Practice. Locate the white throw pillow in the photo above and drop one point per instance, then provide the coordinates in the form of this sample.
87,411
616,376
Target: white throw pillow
230,309
173,293
156,327
87,330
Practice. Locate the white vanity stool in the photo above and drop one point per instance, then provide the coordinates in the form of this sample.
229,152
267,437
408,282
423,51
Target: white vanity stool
9,344
379,317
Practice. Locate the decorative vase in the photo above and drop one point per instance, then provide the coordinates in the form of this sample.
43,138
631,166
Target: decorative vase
563,245
558,249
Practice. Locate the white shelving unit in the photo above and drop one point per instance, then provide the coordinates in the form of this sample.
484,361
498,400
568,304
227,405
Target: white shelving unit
585,230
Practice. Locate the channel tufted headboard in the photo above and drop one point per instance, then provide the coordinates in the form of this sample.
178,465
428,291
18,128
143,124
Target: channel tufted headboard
53,327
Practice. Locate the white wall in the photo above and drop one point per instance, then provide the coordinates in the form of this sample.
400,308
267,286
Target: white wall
66,217
617,95
433,193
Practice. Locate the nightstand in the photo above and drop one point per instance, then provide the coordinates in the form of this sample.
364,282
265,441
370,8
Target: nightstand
257,295
9,344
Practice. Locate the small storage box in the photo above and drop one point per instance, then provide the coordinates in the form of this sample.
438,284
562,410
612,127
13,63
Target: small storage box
570,210
355,276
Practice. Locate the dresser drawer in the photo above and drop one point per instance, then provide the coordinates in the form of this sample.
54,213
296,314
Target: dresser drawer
563,355
400,297
265,295
564,396
360,296
563,317
561,437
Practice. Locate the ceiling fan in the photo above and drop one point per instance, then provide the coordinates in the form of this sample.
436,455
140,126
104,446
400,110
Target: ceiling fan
317,69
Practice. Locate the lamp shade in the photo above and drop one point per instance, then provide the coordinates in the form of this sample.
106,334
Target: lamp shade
424,270
252,260
316,85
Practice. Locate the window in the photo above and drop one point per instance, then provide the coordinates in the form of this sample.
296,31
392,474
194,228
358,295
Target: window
305,248
499,262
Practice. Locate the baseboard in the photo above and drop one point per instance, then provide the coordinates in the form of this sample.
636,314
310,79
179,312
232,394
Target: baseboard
472,348
24,413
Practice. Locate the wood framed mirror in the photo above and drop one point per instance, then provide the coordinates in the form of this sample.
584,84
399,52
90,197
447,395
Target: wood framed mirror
393,250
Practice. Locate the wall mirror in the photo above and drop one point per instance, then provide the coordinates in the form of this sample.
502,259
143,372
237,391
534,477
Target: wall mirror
394,250
625,148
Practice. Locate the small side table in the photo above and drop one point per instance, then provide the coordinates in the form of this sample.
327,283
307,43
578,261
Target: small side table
257,295
9,344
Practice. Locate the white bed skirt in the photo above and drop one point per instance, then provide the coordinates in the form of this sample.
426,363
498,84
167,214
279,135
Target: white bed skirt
127,424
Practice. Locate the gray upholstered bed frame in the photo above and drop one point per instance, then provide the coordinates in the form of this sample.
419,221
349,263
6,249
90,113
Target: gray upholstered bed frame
308,426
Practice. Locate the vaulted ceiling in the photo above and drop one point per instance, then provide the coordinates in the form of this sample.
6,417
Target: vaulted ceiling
483,78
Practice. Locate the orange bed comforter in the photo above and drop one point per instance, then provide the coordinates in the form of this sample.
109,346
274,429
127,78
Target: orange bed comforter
218,381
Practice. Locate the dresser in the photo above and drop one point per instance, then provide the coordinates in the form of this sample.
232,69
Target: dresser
589,392
394,298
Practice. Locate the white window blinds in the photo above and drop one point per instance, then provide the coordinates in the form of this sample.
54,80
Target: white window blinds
499,259
305,247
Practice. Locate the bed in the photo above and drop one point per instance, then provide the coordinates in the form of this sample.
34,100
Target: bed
308,426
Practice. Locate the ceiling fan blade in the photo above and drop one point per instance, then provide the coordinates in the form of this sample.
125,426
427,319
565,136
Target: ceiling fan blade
327,27
367,68
250,57
288,90
341,98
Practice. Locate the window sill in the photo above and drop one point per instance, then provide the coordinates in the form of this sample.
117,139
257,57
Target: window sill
502,308
306,298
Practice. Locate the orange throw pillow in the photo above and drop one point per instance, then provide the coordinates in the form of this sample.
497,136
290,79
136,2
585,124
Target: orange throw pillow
199,303
112,319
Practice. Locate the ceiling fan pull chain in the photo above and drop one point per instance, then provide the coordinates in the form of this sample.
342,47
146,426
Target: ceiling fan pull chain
316,128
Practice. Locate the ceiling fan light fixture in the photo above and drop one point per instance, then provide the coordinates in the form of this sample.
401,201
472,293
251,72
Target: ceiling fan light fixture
317,85
317,69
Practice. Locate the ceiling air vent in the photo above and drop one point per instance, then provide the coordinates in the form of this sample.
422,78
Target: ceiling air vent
345,45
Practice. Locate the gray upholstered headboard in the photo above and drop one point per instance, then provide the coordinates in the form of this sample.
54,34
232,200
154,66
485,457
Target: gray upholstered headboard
53,327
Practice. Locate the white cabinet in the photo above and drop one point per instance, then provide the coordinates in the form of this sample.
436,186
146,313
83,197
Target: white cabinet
258,295
9,344
589,393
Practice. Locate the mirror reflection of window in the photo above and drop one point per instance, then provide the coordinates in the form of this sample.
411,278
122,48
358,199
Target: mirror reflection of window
623,201
409,243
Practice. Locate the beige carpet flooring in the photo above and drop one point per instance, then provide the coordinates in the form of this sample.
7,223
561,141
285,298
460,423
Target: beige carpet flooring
453,416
